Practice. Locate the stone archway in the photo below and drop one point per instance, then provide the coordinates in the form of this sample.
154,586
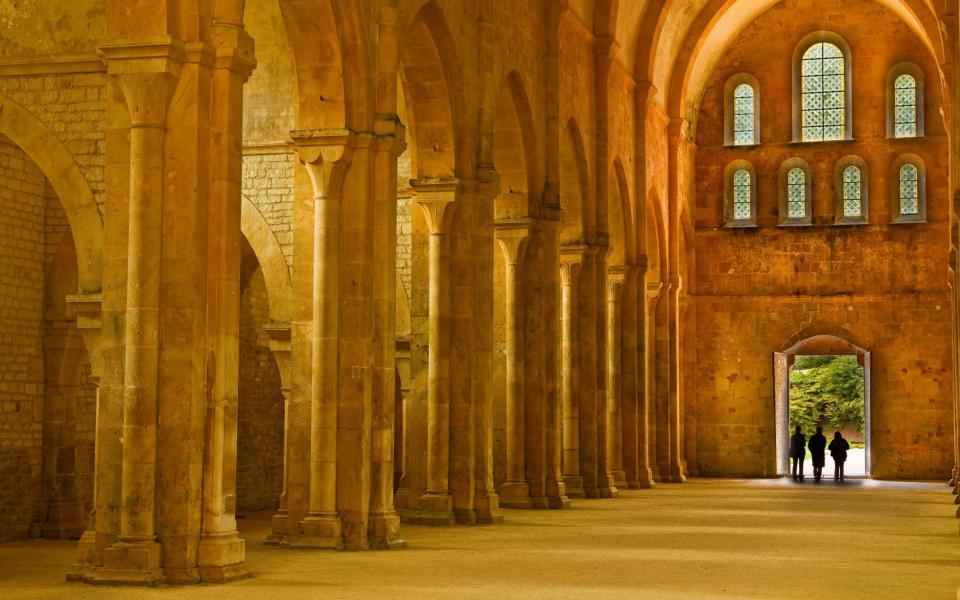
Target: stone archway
824,345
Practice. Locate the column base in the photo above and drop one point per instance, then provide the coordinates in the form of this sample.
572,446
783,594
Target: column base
619,478
655,473
65,521
222,558
129,563
676,474
486,509
279,529
557,494
432,509
317,531
385,531
515,494
86,554
606,486
645,479
574,485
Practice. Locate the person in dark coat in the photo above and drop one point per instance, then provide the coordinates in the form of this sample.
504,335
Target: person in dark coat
798,451
838,450
818,446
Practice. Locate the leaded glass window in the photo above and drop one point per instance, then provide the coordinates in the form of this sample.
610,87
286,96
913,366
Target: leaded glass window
909,190
905,107
852,192
742,201
744,133
823,89
796,193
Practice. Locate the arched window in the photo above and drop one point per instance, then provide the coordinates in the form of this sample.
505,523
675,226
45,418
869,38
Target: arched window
796,205
743,130
905,106
822,99
908,190
905,101
796,193
740,194
741,114
850,206
821,85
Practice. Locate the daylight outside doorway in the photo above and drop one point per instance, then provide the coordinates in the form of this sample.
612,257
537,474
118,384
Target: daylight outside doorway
824,381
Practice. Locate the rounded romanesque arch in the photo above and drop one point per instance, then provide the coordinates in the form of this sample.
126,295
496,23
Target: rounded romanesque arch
269,254
64,175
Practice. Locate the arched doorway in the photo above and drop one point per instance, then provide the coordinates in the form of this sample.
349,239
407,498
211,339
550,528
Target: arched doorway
816,346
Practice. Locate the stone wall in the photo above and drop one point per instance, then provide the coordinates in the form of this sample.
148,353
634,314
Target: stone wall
268,183
881,286
22,203
260,412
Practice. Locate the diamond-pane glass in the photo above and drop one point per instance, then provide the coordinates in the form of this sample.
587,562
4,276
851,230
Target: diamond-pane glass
796,193
905,107
823,93
741,195
744,133
852,205
909,190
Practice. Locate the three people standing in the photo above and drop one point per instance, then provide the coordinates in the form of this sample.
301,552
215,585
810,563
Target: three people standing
818,445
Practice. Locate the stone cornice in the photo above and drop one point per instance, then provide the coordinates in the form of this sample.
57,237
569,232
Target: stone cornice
60,64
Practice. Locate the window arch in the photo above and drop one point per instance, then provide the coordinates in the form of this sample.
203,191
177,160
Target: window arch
822,89
741,113
905,101
796,193
850,205
908,189
740,195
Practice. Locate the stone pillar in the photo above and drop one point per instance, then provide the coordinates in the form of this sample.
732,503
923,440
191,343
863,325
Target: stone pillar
147,75
221,555
279,334
435,198
675,432
325,156
512,238
649,441
630,389
616,279
555,489
590,329
63,356
384,528
86,310
570,265
606,485
486,500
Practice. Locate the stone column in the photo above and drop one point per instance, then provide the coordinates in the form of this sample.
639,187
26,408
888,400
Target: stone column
649,444
63,355
555,489
436,198
645,384
512,238
147,75
616,279
87,310
606,486
486,499
221,556
384,528
325,156
630,389
590,370
677,474
570,265
279,334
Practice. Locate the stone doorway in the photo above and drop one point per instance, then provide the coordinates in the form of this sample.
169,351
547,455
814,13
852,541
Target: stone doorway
859,460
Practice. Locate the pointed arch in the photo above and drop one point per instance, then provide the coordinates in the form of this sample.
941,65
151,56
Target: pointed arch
64,175
575,185
515,155
431,76
620,218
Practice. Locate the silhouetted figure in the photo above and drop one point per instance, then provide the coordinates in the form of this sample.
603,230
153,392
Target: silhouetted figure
798,451
838,450
818,446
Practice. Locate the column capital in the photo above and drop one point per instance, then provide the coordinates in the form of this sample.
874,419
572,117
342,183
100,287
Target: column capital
390,133
569,271
280,347
234,49
512,235
654,289
326,153
147,69
678,131
435,197
616,280
86,309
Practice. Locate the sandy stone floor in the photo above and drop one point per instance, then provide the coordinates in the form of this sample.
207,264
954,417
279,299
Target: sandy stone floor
704,539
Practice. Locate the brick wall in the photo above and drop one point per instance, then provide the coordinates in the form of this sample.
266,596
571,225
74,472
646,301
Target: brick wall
260,411
22,254
884,285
